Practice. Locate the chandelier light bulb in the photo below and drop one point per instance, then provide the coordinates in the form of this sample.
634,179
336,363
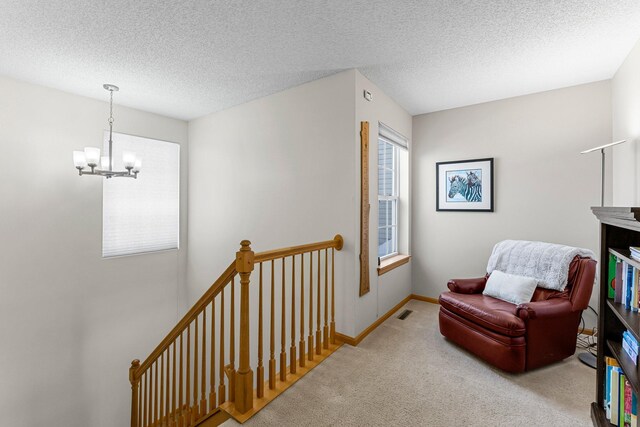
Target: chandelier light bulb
129,159
93,156
79,160
104,162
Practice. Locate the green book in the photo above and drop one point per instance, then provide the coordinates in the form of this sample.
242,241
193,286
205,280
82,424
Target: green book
612,276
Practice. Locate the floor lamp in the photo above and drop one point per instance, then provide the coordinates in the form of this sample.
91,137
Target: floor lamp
586,357
601,149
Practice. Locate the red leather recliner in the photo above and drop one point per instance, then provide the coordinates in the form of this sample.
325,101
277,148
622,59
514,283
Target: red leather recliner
517,338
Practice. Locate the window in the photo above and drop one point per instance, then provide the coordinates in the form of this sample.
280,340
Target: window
387,199
142,215
393,193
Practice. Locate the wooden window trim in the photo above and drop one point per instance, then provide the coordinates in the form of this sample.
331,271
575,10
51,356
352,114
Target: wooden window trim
390,263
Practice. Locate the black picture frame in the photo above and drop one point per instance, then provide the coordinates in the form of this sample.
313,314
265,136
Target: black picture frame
444,203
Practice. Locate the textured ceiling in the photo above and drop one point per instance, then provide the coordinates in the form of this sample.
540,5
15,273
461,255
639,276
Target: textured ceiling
187,58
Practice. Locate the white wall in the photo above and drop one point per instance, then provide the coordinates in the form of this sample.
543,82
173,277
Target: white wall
278,171
284,170
389,289
626,125
70,321
543,187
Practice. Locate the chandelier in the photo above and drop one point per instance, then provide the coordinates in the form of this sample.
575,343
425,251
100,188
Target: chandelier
91,155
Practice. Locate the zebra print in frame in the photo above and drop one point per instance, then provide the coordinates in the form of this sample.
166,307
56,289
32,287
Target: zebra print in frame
465,186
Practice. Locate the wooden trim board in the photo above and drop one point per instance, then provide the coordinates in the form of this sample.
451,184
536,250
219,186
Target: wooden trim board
365,208
425,299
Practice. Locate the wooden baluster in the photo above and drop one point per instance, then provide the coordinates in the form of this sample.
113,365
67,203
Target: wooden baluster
283,354
144,400
325,343
333,298
135,382
203,379
194,407
212,372
260,370
174,370
231,371
166,384
244,375
187,403
152,378
293,354
180,399
319,314
140,402
303,354
272,339
310,339
155,393
221,387
161,413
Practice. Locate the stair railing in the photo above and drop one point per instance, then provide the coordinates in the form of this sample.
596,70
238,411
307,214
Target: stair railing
177,387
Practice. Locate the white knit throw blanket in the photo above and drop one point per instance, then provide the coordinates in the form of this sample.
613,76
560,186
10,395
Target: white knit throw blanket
546,262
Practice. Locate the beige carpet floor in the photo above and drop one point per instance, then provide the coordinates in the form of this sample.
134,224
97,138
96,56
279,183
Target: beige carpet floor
406,374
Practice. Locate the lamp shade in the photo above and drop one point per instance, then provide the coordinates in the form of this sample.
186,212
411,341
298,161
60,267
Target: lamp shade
93,155
128,159
137,166
79,159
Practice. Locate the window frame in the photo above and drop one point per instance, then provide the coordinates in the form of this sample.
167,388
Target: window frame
394,198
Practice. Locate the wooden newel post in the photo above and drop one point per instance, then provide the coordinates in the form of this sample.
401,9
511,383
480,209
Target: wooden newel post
244,374
134,391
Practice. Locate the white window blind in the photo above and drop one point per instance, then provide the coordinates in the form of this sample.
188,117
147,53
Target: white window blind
142,215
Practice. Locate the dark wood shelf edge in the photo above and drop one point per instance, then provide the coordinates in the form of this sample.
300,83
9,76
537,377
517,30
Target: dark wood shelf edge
625,316
598,416
629,368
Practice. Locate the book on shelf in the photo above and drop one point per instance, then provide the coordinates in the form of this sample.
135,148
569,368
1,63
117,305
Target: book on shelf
634,290
630,346
618,289
635,252
620,401
626,420
625,284
613,263
628,287
610,364
615,394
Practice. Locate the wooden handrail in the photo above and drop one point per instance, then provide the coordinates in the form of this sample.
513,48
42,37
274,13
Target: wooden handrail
337,243
188,318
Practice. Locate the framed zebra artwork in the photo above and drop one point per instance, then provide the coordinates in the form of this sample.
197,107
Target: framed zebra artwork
465,185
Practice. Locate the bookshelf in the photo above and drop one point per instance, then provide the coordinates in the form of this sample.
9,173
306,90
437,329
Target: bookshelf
619,229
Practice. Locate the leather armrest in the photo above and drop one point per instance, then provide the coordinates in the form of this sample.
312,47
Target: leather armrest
467,286
547,309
